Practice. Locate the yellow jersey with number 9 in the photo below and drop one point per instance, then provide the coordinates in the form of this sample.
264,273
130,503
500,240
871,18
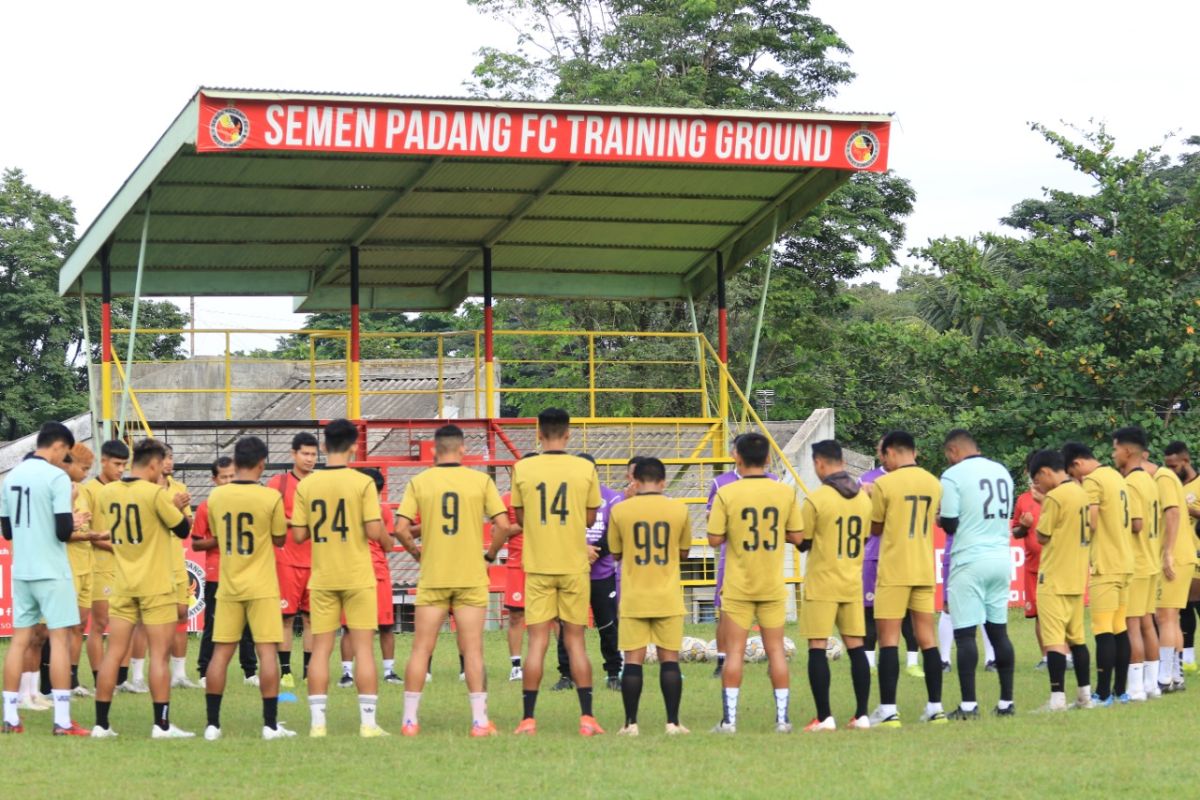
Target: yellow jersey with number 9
754,515
1112,541
906,501
555,491
1064,521
141,516
335,504
243,516
838,527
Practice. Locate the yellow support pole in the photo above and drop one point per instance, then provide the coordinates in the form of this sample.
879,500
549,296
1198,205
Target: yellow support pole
591,375
441,397
228,379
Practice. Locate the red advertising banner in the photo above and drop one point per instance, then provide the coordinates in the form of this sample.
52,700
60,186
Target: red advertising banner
1016,576
550,133
6,610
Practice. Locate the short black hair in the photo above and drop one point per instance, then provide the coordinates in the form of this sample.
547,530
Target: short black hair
448,437
633,461
897,440
374,475
1045,459
554,423
223,462
249,452
828,450
1075,451
1132,434
588,457
168,449
650,470
304,439
754,449
1177,448
147,450
54,432
959,435
115,448
340,435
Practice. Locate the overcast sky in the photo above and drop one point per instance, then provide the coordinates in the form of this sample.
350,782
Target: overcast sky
89,87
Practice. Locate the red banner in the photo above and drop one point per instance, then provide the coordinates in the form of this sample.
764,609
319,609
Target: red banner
528,132
1016,576
6,610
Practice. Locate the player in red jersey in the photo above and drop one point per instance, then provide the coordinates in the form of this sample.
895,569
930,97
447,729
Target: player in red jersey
514,592
1026,510
293,562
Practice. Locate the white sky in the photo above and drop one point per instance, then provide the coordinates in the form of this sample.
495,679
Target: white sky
93,85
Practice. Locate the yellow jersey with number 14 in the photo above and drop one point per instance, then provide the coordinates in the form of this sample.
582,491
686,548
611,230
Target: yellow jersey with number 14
906,501
335,504
555,491
754,515
243,516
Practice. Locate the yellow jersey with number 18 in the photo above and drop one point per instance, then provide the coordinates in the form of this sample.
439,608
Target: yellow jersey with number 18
141,517
243,516
1064,521
838,527
1112,541
754,514
555,491
335,504
906,501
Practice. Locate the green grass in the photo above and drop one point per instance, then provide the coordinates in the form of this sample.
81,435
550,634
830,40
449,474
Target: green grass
1096,753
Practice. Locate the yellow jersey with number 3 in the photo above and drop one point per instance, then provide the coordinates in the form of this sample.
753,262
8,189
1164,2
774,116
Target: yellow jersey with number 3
1144,505
1171,495
243,516
906,501
102,560
838,528
452,502
1112,541
649,531
555,491
753,515
335,504
141,516
1064,521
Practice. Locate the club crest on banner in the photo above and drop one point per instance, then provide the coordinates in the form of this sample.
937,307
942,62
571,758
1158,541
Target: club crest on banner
862,148
229,128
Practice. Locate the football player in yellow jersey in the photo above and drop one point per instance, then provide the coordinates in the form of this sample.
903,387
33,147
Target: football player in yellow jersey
114,455
1178,555
1178,459
247,521
182,498
1110,519
452,502
555,496
142,519
79,552
905,503
755,518
1065,536
650,535
837,521
338,508
1129,455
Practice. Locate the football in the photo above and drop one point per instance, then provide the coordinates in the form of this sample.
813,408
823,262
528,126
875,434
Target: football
754,649
651,654
710,650
692,649
789,648
834,648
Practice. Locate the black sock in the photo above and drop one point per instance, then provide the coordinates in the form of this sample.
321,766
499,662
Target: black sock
870,639
122,675
889,674
462,663
1124,657
818,680
1187,622
285,663
585,700
529,698
1056,665
516,660
162,715
1106,659
271,712
906,630
102,707
670,681
429,667
631,691
307,658
720,660
213,702
860,675
44,670
968,661
1006,659
74,676
1083,667
932,661
95,678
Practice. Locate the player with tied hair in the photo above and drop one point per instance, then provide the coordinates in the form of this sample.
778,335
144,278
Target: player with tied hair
1109,518
338,509
650,535
452,502
1129,456
247,519
142,517
114,456
837,522
905,504
1063,531
977,501
182,498
1177,554
293,561
556,496
1178,459
79,552
754,517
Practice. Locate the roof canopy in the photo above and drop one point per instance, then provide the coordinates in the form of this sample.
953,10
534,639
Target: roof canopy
262,193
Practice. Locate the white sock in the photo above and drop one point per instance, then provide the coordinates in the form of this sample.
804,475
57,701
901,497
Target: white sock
62,707
11,699
887,711
781,705
25,691
871,659
1084,693
989,652
1189,655
412,704
945,636
348,668
389,666
1058,699
178,667
912,658
137,670
1004,705
316,709
731,701
1150,676
933,708
366,709
969,706
1133,681
479,715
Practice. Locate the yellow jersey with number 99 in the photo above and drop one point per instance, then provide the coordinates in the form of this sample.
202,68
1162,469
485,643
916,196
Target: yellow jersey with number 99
648,532
906,501
555,491
754,515
335,504
243,516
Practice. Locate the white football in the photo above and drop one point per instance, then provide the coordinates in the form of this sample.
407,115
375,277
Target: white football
651,654
710,650
754,649
692,649
789,648
834,648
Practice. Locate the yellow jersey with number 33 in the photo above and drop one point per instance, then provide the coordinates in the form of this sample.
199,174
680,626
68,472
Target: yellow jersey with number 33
335,504
838,528
649,531
1112,541
140,516
243,516
555,491
906,501
1064,521
753,515
451,501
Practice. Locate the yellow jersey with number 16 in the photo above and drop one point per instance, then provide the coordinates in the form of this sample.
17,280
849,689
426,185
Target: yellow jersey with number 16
243,516
335,504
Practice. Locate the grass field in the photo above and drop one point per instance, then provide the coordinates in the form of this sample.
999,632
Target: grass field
1095,753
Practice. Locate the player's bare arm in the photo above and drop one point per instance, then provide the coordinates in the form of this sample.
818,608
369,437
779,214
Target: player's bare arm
405,537
501,533
1171,524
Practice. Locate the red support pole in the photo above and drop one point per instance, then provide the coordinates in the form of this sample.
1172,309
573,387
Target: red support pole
106,410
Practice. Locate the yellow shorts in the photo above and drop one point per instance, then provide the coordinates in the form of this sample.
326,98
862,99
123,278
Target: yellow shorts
562,597
817,618
327,606
83,590
103,584
1061,617
665,633
1109,593
769,613
1174,594
261,614
155,609
1143,596
894,602
476,596
182,595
